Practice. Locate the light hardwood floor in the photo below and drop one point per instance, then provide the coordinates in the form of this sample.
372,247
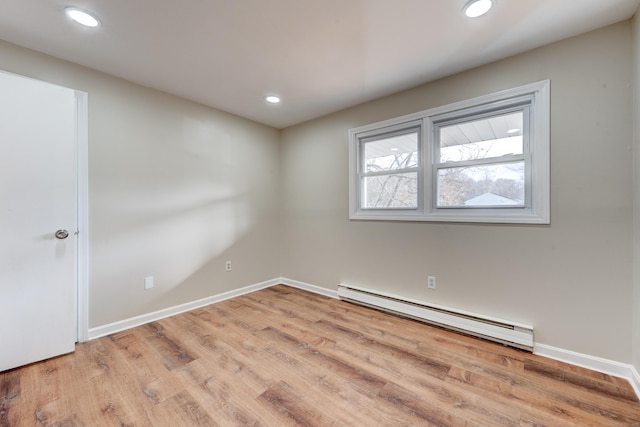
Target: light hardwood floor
284,357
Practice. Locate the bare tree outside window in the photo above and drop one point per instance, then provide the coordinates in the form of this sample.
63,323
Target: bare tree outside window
483,177
390,172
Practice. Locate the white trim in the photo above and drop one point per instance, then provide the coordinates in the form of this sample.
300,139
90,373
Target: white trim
308,287
606,366
82,240
538,210
132,322
635,380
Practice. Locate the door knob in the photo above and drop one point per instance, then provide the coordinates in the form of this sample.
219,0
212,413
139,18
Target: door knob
62,234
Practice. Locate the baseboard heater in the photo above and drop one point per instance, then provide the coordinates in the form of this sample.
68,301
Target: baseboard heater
505,332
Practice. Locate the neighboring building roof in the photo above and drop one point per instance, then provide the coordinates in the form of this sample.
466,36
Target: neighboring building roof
491,199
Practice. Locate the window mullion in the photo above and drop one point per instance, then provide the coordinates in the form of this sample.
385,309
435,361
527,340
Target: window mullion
389,172
476,162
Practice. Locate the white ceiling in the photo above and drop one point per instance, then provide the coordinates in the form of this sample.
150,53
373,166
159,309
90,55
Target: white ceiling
320,56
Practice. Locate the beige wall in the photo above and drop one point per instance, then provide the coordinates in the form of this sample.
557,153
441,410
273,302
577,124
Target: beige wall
572,280
176,189
636,188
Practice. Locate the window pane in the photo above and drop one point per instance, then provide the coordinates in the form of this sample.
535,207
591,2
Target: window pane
391,191
396,152
482,139
485,185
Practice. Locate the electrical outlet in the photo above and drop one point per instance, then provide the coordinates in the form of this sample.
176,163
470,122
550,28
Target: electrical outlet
227,266
431,282
148,282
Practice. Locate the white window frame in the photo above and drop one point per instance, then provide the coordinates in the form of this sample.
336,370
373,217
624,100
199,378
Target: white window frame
381,133
536,207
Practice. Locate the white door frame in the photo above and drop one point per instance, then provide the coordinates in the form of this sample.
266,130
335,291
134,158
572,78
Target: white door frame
82,232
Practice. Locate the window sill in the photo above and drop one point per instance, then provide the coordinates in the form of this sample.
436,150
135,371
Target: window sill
523,216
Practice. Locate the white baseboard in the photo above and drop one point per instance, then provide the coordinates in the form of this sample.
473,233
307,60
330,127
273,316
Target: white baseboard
308,287
635,380
121,325
606,366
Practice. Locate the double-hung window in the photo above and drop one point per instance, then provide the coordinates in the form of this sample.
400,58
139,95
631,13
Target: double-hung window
480,160
389,168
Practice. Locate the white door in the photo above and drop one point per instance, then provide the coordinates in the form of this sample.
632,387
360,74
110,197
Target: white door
38,197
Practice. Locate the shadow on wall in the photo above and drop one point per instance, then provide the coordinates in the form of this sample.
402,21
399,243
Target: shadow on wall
172,247
177,204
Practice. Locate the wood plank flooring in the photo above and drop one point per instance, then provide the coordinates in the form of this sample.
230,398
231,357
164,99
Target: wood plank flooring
286,357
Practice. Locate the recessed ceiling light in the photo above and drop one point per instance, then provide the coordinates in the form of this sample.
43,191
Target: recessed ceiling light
272,99
82,17
510,131
475,8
